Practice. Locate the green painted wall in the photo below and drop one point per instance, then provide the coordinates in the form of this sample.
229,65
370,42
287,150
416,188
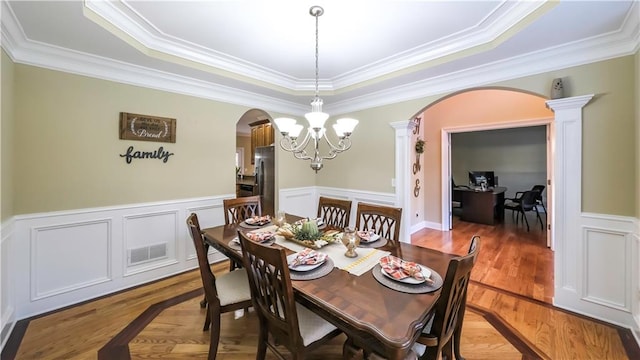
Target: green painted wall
67,146
6,139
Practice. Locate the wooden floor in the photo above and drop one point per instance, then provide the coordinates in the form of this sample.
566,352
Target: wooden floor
509,315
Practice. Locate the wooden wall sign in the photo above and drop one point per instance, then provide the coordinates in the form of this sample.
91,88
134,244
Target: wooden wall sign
147,128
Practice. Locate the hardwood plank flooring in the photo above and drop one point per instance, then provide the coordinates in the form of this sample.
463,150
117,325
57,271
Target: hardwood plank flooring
508,316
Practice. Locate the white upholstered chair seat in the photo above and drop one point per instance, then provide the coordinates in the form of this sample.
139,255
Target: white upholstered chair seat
312,327
233,287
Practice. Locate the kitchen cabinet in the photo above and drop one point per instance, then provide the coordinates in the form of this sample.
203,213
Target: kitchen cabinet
261,135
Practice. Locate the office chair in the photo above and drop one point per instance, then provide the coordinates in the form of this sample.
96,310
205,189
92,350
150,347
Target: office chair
524,201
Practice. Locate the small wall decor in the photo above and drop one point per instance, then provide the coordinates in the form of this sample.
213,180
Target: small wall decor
419,150
557,89
416,128
147,128
160,154
416,189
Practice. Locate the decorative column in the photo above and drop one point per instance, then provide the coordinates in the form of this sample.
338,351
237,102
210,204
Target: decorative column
566,195
403,174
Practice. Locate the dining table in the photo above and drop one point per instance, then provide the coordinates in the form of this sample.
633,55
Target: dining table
381,318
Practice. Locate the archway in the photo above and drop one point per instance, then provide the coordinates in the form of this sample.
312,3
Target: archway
256,158
473,109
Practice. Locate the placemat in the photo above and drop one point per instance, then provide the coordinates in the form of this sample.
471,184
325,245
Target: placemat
236,245
374,244
316,273
408,288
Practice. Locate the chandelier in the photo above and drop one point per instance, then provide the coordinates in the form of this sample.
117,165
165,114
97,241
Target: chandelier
290,130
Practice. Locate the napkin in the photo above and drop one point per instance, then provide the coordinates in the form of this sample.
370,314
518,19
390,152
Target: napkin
308,257
260,236
365,235
400,269
258,220
319,221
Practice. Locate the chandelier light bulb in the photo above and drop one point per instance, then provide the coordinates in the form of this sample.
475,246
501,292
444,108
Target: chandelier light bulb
285,124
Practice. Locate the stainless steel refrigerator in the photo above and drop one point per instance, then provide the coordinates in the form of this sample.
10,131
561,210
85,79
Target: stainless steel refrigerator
265,177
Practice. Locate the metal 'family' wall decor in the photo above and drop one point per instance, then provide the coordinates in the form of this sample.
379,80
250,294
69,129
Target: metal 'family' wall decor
147,128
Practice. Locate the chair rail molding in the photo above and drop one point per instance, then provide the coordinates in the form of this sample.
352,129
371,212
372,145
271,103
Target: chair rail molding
402,174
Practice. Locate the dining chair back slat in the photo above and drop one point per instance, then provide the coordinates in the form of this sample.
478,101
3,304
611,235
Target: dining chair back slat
383,220
239,209
334,212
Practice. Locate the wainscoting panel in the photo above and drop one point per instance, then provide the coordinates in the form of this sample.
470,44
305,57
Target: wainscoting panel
149,231
605,256
61,258
208,216
70,256
299,201
607,278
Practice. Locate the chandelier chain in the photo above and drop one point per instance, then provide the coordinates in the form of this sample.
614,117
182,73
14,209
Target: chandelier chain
316,15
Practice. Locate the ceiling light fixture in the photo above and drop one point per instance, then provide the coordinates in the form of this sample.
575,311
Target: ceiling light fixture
290,130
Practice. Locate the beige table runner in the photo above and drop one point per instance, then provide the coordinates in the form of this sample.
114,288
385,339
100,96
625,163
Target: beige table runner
367,257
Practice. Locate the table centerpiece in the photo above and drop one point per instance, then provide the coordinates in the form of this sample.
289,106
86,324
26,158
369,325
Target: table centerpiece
306,233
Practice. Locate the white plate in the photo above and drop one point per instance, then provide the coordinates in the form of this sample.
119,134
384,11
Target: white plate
302,267
372,238
410,280
251,222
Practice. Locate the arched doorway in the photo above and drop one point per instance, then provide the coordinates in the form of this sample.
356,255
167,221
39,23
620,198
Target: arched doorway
256,158
468,110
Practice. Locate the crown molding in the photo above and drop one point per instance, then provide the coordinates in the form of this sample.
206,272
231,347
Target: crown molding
625,41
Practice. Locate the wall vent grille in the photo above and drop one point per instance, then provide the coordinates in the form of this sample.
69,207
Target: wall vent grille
145,254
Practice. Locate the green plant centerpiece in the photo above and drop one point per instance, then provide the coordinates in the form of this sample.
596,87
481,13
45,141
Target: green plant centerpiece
306,233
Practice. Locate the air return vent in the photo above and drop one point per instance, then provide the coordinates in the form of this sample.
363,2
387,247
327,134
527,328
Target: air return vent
146,254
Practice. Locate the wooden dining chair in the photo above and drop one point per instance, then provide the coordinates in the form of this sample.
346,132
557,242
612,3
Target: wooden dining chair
239,209
289,323
384,220
442,334
227,292
334,212
236,211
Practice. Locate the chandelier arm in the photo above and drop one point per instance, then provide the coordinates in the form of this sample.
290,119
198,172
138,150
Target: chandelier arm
342,146
293,146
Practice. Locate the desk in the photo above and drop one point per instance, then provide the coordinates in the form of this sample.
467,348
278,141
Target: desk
483,207
387,321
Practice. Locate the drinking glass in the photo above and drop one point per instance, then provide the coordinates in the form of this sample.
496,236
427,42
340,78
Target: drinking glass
280,218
